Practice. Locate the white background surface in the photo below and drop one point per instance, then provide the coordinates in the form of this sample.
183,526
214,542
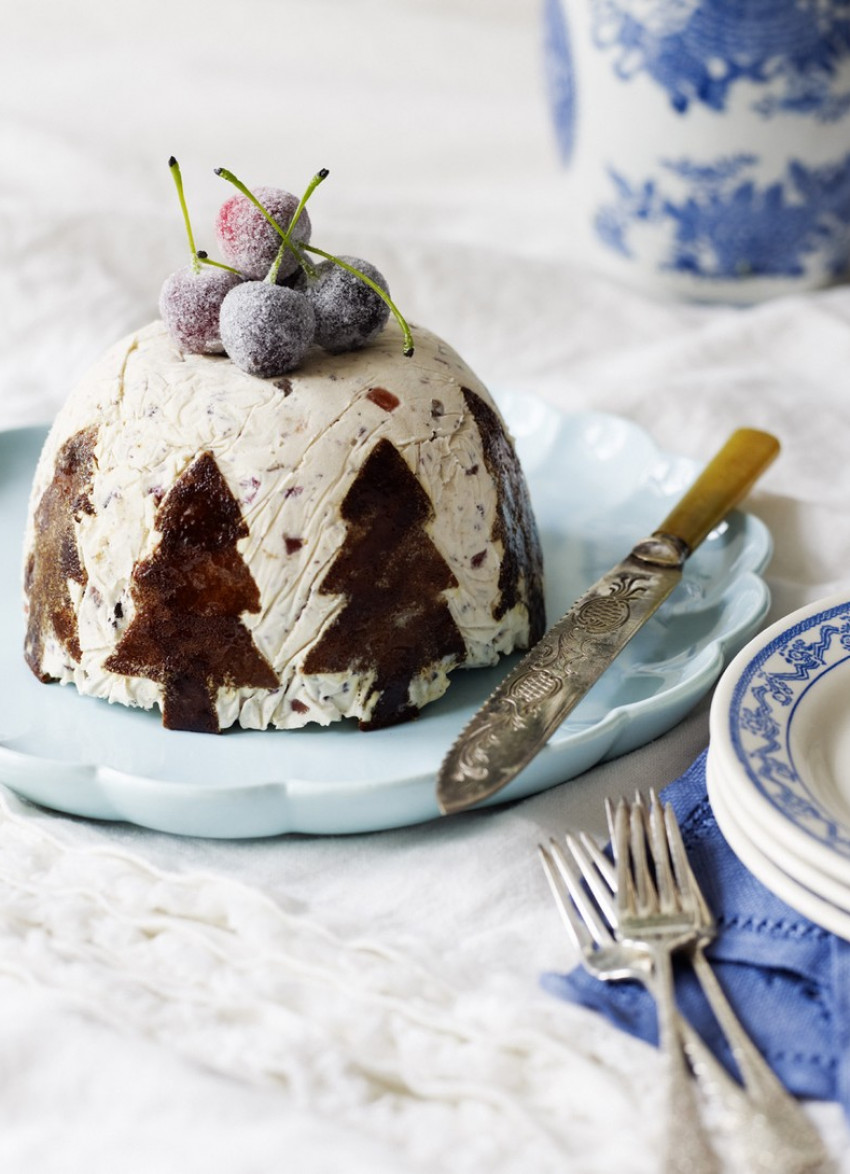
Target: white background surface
364,1004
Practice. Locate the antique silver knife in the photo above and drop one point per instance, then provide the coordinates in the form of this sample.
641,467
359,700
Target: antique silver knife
520,716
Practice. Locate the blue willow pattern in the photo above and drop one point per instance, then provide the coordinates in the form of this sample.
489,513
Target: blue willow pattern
719,219
774,682
697,50
560,76
723,224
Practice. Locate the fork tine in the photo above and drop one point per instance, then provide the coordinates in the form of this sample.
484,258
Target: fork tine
661,857
603,865
682,866
572,873
610,818
625,891
578,932
677,848
646,895
583,856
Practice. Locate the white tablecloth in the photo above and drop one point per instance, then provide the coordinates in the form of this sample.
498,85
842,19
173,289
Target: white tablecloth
368,1003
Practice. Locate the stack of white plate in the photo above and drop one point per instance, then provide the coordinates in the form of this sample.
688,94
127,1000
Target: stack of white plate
779,760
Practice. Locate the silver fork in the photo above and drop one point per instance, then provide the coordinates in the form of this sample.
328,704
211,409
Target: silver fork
779,1136
584,886
688,1148
652,919
588,920
589,923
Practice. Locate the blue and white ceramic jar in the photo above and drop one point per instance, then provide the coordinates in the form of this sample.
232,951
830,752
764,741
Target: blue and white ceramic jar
707,142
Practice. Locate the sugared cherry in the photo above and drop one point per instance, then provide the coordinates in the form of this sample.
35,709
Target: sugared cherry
349,312
247,239
190,298
189,305
266,328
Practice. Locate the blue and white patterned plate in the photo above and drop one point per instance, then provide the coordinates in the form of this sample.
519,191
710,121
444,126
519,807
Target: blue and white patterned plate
780,747
598,484
821,898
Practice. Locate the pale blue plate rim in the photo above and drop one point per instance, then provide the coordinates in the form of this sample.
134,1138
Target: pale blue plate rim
86,758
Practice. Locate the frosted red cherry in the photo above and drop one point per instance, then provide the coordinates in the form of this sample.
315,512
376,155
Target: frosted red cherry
249,242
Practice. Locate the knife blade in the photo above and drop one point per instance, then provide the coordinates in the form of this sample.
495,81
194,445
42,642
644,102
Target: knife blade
522,713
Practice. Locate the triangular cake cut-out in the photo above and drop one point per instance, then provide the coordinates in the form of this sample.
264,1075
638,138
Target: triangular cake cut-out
395,622
186,632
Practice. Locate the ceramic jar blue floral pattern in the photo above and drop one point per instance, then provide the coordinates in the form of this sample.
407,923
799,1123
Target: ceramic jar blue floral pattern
707,141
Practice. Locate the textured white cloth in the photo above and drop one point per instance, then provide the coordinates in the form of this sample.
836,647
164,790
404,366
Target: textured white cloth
366,1003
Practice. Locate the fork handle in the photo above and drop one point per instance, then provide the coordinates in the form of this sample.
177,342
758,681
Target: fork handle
688,1150
783,1128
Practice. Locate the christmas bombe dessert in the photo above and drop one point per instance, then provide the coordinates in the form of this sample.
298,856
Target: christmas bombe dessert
237,527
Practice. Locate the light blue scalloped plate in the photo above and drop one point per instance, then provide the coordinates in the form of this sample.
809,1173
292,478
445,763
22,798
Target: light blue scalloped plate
598,484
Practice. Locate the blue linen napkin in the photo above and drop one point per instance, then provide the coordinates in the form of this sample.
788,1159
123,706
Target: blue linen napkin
788,979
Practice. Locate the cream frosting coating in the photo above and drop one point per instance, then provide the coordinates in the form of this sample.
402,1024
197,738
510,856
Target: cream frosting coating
289,450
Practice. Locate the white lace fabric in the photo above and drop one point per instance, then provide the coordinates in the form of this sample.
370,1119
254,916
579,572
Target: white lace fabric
350,1030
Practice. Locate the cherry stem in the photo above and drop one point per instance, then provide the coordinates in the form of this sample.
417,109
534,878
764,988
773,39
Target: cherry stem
286,242
318,178
373,285
305,262
178,183
205,259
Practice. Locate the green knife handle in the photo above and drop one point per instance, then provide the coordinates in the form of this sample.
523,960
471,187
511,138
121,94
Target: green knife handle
724,482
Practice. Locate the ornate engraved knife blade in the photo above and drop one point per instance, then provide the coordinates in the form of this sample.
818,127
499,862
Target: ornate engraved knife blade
520,716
